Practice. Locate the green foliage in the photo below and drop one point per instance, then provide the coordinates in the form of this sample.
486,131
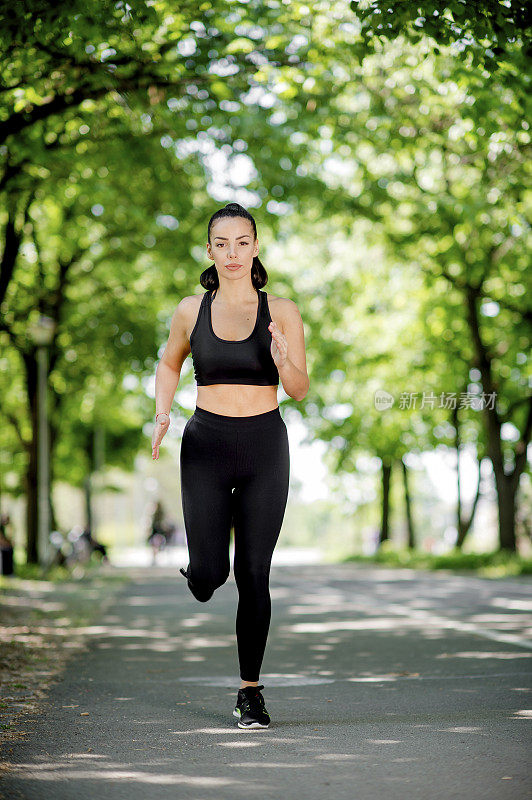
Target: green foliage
495,564
487,33
433,152
106,203
389,142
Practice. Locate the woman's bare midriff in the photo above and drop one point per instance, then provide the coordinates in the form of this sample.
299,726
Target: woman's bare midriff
236,399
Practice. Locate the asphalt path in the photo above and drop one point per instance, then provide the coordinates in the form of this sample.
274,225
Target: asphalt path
382,684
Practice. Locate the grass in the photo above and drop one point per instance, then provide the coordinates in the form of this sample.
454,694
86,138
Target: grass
494,564
55,574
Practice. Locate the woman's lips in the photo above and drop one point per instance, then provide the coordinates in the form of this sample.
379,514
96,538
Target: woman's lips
234,266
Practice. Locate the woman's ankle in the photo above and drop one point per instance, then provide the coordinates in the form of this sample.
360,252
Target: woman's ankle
243,684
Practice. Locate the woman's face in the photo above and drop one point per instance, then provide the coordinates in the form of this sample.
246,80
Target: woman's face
232,247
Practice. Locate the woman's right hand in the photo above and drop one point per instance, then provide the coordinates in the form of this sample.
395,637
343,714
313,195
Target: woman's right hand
161,426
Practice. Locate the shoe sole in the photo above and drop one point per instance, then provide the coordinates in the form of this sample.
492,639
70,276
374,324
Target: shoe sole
251,724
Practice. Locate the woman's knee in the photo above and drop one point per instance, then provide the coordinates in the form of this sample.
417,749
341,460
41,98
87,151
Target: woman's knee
204,582
253,578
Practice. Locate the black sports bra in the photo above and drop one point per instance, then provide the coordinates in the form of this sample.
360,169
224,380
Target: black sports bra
247,361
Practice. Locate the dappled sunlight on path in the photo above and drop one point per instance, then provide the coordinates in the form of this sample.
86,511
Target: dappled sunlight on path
398,680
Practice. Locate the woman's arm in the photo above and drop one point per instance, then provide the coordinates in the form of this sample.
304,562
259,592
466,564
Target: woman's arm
168,369
289,350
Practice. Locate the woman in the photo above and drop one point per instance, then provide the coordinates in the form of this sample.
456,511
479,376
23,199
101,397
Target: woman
234,452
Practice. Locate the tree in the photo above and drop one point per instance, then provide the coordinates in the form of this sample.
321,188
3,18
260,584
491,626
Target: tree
444,174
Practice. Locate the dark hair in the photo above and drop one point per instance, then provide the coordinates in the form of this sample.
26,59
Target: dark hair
209,276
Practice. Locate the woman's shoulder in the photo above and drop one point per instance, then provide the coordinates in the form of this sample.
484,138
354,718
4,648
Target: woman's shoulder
191,302
188,308
283,305
274,298
283,311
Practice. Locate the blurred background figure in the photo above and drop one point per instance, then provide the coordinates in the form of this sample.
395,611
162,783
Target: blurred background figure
157,536
93,545
178,537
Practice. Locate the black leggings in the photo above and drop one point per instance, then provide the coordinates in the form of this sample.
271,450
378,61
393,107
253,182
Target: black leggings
235,470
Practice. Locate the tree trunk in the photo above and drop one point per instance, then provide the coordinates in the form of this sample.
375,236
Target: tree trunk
506,483
408,508
52,437
53,521
88,501
30,482
30,479
12,241
386,475
463,522
506,495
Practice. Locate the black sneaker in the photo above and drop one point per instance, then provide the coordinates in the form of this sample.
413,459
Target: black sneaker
250,708
186,574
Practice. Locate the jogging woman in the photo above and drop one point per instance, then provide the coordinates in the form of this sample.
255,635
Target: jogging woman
234,455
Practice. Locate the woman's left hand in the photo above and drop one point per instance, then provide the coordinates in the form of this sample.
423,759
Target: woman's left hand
279,345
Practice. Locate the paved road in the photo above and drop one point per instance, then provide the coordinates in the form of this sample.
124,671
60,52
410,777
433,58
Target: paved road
381,684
